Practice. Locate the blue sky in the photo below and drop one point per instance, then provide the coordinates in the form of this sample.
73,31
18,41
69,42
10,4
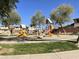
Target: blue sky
27,8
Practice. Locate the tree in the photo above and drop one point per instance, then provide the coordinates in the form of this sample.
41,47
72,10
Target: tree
33,21
61,14
38,19
13,19
6,6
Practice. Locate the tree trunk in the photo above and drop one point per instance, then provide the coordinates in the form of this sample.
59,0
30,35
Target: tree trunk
77,39
39,29
10,29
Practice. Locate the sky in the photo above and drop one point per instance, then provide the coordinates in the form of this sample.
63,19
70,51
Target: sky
27,8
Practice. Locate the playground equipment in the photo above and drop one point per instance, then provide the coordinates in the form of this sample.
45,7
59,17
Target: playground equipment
22,32
50,27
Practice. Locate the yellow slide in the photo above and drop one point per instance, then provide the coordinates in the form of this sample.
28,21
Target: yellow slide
22,33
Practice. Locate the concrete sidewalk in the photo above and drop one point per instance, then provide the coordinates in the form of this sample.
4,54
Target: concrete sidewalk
59,55
22,42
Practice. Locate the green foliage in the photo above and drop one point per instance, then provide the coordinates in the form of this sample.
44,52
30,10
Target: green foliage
8,17
38,19
6,6
62,14
14,18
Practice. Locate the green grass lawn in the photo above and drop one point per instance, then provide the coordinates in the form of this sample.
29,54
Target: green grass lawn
36,48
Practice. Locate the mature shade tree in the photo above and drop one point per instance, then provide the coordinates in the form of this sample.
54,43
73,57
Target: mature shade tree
33,21
61,14
13,19
38,19
6,6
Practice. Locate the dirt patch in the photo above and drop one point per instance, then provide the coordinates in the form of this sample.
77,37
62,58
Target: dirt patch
6,50
56,50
